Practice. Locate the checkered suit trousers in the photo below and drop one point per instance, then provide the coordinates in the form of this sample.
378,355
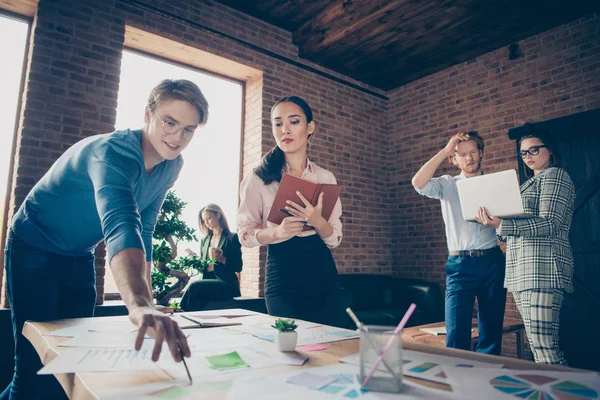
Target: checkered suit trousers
540,310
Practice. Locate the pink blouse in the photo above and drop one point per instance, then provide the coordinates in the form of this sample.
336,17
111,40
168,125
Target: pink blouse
256,200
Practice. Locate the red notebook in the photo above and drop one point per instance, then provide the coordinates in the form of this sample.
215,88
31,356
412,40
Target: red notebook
288,187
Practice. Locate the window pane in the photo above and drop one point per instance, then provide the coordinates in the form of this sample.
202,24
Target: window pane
212,159
13,55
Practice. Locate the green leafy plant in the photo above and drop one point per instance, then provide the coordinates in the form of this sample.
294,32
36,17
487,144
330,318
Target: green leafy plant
170,273
175,305
285,325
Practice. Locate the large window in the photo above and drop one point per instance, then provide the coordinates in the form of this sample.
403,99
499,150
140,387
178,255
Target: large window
12,47
212,160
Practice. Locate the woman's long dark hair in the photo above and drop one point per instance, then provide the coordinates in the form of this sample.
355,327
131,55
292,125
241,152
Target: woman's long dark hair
271,166
548,141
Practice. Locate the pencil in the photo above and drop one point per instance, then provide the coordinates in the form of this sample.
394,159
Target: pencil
185,365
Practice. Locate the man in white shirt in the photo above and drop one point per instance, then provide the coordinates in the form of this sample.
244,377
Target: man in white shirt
476,265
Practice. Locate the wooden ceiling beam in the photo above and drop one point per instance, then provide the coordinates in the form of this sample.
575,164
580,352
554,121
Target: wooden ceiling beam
354,22
22,7
414,27
295,11
285,14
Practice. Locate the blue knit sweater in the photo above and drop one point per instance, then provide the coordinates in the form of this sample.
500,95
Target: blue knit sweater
97,190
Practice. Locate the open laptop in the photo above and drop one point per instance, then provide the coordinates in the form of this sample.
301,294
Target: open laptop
498,192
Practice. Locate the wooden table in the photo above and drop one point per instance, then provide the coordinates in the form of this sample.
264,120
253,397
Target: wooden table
416,335
84,385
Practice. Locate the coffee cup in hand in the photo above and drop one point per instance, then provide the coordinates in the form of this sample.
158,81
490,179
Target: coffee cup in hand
215,253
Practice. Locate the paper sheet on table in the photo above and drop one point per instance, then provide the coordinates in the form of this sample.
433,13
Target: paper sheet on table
323,334
431,367
95,325
223,362
97,360
507,384
218,338
207,387
265,354
310,380
260,325
311,347
345,386
229,313
97,339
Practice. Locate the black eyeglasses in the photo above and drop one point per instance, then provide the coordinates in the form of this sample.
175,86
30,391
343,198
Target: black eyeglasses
533,150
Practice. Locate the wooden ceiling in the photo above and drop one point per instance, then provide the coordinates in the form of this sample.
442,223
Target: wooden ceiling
387,43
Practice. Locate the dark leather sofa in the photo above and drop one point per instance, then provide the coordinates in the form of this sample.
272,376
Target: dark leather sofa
383,299
375,299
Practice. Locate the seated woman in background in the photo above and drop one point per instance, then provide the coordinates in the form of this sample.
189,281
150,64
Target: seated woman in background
219,281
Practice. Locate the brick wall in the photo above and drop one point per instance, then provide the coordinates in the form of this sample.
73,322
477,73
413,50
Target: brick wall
73,81
558,75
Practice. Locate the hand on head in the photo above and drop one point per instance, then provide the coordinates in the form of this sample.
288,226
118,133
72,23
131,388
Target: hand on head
450,148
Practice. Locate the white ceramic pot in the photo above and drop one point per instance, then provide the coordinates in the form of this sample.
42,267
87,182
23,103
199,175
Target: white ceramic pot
286,341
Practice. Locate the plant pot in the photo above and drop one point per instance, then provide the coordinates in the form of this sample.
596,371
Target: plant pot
286,341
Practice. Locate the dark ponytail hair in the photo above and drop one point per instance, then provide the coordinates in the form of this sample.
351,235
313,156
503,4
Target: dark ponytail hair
271,166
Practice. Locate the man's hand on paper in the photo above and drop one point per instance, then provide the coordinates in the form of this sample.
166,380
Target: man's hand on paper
161,328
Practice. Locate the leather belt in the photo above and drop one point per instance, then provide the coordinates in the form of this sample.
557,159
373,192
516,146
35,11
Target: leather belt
474,252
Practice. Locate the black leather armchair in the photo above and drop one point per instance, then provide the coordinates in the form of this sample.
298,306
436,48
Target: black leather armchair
383,299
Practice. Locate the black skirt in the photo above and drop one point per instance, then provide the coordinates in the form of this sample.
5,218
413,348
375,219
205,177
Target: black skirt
302,281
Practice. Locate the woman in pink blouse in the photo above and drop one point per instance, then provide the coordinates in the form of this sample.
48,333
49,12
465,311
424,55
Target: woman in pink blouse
302,280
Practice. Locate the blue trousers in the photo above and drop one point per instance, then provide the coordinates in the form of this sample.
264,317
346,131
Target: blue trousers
42,286
468,278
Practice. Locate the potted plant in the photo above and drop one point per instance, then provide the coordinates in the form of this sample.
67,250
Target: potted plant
286,336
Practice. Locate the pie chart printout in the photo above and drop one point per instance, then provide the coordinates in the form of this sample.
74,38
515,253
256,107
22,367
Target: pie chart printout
540,387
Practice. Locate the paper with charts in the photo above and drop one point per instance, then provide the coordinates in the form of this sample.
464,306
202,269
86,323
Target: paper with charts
506,384
339,381
98,324
88,360
431,367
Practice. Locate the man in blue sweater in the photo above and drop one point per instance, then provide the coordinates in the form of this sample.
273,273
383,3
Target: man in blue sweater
107,187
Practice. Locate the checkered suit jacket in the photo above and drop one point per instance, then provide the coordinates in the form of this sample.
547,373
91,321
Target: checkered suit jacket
538,253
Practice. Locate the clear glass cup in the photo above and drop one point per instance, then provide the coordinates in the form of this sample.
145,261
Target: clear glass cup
387,376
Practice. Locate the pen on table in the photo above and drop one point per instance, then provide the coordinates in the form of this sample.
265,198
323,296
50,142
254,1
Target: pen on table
185,364
289,214
191,320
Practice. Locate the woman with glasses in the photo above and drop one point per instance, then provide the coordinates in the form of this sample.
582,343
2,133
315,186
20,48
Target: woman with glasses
539,261
302,279
219,281
106,187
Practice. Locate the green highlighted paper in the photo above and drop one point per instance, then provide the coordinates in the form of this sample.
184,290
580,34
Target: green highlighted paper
227,361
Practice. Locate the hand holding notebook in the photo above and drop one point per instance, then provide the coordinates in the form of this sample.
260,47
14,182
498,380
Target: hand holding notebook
288,187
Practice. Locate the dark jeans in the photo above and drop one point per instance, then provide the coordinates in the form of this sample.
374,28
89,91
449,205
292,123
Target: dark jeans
467,278
43,286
